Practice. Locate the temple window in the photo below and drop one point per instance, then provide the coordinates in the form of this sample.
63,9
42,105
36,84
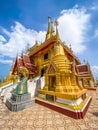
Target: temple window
46,56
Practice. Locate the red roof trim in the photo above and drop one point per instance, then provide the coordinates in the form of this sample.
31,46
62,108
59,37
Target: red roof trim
82,69
24,61
44,47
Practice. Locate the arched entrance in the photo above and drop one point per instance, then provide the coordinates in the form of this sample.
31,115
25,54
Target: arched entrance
43,71
52,82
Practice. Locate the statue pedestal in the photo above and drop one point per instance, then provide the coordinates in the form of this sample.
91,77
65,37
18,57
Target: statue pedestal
19,102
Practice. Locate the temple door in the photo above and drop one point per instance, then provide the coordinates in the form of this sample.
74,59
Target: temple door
52,83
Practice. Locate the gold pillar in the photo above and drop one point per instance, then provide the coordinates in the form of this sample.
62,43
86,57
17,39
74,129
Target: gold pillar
46,82
58,83
63,78
73,80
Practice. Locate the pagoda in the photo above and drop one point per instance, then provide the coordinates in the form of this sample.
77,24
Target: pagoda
63,91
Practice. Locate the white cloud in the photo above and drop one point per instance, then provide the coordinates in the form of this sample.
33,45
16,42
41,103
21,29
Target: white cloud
2,39
96,33
73,25
19,38
5,31
6,61
94,7
95,71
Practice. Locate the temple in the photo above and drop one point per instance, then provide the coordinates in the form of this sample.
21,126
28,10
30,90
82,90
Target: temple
66,79
85,76
24,61
64,75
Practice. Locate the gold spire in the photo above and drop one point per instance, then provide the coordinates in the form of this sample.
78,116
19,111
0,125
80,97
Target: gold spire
22,54
36,42
52,29
16,56
57,33
13,62
49,24
48,35
58,47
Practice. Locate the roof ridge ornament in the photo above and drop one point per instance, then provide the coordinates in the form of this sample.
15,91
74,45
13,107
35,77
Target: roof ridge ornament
52,29
57,33
48,35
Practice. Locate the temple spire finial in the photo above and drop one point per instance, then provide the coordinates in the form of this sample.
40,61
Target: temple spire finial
57,33
49,24
17,55
52,29
13,62
48,35
22,53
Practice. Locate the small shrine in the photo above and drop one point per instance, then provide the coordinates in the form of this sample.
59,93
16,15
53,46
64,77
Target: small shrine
20,98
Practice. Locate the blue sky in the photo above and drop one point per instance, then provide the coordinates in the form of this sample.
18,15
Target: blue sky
22,22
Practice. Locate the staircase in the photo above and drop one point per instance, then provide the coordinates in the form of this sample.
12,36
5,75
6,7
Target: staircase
33,85
5,91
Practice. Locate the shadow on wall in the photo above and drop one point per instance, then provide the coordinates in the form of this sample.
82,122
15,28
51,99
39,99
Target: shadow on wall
38,85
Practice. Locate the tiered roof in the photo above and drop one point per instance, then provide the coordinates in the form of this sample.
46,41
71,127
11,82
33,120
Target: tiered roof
83,68
25,61
29,65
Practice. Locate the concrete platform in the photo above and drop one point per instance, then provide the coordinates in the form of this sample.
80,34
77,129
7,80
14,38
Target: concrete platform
20,102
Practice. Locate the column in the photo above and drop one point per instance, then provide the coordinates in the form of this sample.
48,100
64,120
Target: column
58,83
46,82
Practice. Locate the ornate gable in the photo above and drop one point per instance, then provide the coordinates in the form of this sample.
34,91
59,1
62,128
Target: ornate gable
51,69
82,69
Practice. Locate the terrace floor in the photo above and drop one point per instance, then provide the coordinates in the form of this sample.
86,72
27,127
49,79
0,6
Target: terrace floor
39,117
